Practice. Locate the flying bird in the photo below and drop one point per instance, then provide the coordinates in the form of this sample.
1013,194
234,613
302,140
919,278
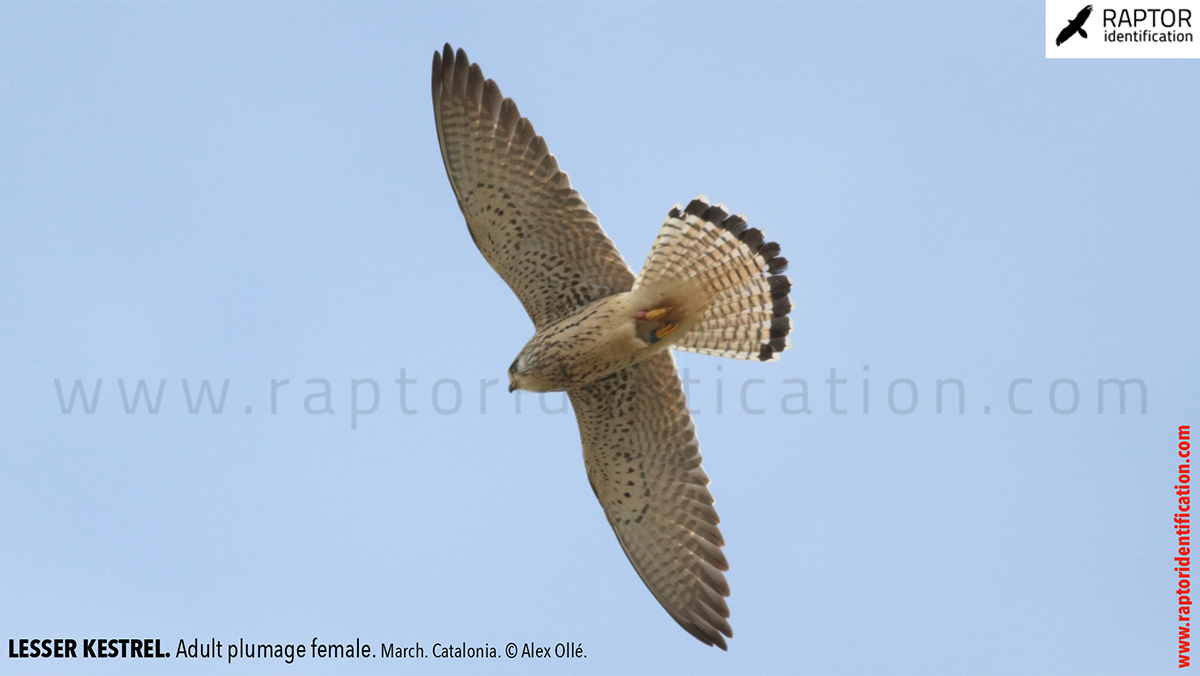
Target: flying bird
1075,26
602,334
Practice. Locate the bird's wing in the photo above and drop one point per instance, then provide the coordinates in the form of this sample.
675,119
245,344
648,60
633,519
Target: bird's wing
643,461
1083,15
528,222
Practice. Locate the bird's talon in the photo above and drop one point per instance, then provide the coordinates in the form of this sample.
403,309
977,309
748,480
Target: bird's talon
651,315
665,331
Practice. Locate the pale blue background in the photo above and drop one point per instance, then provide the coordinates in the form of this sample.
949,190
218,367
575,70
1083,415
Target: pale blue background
254,192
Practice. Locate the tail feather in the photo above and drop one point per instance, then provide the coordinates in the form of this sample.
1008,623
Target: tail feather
682,249
736,301
745,304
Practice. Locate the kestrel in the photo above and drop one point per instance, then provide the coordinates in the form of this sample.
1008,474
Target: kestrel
710,285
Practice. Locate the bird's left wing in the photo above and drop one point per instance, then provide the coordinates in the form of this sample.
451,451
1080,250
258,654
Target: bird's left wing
643,461
534,229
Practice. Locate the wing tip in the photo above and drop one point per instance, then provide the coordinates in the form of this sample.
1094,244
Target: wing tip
710,628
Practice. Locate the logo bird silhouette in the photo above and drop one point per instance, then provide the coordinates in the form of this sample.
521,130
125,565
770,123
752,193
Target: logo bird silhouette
1075,26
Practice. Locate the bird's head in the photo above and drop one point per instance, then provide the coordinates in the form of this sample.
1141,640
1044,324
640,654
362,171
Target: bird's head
513,380
524,373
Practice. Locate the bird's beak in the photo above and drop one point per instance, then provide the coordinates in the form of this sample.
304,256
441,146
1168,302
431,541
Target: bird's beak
512,387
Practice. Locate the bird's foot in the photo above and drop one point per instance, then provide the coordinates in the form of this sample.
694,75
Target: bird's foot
651,315
662,332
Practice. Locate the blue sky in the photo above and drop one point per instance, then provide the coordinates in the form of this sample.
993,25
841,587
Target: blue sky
254,193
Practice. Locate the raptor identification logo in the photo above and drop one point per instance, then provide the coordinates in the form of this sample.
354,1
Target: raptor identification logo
1123,29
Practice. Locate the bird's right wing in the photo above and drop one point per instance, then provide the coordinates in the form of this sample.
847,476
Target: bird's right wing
528,222
1064,34
643,461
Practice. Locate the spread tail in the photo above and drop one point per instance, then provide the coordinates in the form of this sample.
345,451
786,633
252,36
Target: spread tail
732,279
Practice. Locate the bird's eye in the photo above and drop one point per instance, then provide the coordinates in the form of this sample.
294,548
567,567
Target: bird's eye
513,368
